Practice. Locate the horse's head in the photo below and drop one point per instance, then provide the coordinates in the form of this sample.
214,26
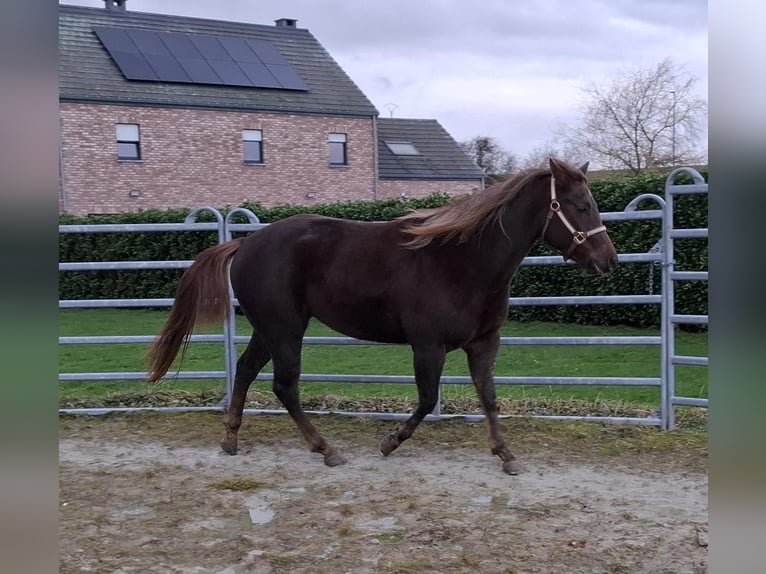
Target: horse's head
573,225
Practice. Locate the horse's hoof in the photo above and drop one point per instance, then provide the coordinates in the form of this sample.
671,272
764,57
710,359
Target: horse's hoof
229,447
512,467
334,459
389,444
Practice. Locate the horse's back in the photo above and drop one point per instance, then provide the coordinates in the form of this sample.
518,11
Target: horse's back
345,273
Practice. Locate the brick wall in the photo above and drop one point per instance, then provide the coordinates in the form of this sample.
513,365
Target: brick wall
388,188
192,158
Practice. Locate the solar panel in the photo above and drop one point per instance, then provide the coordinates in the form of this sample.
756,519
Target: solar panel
199,71
115,39
287,77
134,66
167,67
238,49
198,59
180,46
209,47
148,42
230,73
259,75
266,52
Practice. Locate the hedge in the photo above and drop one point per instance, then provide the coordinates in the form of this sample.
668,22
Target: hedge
612,194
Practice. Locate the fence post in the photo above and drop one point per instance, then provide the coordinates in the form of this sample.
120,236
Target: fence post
230,327
664,311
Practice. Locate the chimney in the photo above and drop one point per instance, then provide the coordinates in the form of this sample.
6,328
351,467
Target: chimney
286,23
115,5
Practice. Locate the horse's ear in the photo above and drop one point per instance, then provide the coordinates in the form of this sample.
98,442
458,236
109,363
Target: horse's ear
584,167
557,168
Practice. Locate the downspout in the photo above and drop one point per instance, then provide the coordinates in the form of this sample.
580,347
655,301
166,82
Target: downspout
376,175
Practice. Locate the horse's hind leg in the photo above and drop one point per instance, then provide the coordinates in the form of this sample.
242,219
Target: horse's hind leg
428,362
287,366
249,364
481,363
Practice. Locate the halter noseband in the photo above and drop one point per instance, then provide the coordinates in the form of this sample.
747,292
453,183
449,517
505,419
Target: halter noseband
578,237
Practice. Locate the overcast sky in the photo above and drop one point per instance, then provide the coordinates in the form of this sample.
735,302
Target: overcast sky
501,68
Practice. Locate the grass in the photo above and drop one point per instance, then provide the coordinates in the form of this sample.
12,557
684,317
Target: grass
585,361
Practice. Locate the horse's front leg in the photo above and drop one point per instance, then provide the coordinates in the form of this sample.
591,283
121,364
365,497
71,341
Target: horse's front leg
482,353
428,362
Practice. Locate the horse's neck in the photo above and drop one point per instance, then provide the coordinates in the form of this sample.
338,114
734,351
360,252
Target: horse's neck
505,243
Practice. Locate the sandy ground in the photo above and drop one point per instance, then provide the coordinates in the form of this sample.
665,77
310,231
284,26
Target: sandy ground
156,494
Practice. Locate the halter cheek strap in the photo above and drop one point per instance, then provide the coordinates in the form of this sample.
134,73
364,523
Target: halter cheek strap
578,237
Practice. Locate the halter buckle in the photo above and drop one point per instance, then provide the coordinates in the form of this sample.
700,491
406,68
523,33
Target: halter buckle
579,237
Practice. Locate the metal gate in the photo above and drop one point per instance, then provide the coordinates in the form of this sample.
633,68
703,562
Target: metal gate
224,226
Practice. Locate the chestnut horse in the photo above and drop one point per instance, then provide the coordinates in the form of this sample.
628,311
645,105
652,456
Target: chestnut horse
435,279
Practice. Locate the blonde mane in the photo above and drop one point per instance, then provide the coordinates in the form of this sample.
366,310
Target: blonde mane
467,215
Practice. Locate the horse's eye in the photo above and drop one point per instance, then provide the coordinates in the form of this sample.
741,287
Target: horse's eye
582,206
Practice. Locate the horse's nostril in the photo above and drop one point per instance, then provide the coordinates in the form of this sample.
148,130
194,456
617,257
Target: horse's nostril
613,262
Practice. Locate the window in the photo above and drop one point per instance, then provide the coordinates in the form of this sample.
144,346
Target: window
338,149
402,148
252,146
128,142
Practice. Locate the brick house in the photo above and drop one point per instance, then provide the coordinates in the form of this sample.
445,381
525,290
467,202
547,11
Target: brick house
164,111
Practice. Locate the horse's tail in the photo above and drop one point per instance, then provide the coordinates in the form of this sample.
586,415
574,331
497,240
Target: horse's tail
202,296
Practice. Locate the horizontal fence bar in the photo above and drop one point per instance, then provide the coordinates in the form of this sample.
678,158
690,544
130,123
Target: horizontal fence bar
689,233
689,402
622,258
631,215
509,341
468,417
122,265
246,226
110,303
98,411
138,376
690,361
586,300
391,379
688,189
132,339
505,341
519,301
690,319
689,275
138,227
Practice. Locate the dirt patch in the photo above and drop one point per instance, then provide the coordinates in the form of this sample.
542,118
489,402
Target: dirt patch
153,492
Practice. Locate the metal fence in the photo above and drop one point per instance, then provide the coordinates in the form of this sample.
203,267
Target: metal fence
225,227
670,358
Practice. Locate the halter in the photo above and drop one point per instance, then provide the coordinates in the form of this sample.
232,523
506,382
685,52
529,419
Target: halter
578,237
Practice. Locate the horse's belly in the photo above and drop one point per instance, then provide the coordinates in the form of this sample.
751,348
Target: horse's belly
369,321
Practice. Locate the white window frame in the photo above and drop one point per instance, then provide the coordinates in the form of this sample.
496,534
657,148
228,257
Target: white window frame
334,140
128,138
252,136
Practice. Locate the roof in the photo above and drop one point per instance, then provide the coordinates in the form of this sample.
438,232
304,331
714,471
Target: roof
87,73
440,156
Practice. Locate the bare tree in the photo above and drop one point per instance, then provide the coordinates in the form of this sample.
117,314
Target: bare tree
646,118
490,156
538,157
